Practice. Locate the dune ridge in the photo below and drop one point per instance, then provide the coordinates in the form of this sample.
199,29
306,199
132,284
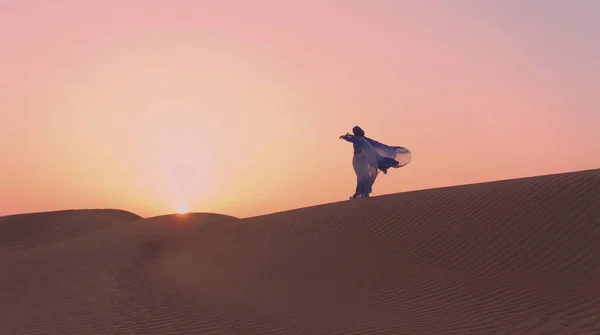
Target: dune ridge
506,257
22,231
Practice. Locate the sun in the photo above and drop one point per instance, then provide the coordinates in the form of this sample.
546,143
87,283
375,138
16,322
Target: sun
181,210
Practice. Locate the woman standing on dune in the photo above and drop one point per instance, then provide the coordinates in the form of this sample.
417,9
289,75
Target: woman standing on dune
371,156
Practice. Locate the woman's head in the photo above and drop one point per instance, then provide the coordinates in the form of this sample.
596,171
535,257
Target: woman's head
358,131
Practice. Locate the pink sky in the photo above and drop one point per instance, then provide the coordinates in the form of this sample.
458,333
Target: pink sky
236,106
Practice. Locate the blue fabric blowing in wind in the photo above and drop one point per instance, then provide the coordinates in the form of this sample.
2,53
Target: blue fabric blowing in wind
390,156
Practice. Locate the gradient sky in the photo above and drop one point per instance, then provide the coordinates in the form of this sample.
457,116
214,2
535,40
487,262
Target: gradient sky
236,106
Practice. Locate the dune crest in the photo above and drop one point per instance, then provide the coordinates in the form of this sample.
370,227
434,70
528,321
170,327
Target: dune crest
509,257
24,231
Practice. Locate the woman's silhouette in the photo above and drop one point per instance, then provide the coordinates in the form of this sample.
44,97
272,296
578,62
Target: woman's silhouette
371,156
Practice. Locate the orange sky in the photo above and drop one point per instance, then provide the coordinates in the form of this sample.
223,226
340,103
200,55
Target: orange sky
236,106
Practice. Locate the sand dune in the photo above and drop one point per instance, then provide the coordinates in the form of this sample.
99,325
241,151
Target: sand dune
510,257
29,230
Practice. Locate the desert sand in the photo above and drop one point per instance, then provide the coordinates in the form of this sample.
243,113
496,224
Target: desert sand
517,256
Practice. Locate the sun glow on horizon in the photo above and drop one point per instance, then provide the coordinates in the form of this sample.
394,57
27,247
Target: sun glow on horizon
182,210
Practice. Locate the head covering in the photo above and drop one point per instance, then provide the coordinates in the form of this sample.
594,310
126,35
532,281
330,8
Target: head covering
358,131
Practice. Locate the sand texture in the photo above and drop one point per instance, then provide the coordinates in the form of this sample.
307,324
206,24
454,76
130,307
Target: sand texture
510,257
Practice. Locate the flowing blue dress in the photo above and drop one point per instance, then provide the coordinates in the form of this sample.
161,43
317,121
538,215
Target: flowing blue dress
370,156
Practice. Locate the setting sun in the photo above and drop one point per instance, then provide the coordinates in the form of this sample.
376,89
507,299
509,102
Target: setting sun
182,210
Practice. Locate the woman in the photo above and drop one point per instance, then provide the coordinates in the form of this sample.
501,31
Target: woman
371,156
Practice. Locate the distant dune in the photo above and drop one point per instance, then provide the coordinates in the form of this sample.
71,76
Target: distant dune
518,256
29,230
